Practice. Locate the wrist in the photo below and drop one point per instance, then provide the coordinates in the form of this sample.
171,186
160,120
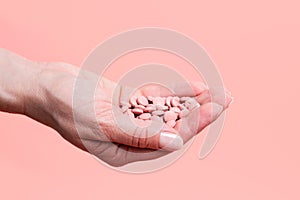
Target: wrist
51,93
17,77
37,99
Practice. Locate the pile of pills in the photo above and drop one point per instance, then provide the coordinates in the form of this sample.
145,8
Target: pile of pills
164,109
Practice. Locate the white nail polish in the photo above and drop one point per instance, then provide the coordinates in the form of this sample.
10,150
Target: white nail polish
170,142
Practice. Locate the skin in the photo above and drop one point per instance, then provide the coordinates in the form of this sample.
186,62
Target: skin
44,91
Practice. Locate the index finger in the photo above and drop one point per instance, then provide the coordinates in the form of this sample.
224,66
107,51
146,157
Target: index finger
190,89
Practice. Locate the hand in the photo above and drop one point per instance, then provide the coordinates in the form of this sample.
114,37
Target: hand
44,92
100,134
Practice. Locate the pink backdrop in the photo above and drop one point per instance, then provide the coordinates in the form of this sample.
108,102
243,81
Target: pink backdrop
256,47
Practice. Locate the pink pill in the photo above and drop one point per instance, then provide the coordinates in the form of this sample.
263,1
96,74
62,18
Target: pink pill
184,113
145,116
132,101
165,108
175,101
150,108
160,107
158,113
170,115
142,100
171,123
175,109
159,101
140,106
168,101
150,98
137,111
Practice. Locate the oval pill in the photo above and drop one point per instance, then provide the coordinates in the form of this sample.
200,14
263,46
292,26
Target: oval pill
145,116
159,101
140,106
142,100
158,112
137,111
175,109
176,98
132,101
168,101
150,108
165,108
175,101
170,115
150,98
160,107
184,113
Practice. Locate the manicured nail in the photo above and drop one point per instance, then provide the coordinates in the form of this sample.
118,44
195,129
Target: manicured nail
170,142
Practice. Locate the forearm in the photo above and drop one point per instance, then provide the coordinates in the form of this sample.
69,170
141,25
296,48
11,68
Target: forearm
32,89
17,78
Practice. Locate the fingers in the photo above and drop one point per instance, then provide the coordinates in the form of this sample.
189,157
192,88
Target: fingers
212,103
153,135
135,146
198,119
118,155
215,94
189,89
180,89
129,154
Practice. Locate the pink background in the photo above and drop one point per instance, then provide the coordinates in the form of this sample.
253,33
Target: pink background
256,47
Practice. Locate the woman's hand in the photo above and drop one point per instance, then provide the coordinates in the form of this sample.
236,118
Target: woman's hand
97,130
96,124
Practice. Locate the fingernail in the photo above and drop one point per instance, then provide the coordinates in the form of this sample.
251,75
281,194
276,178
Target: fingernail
217,109
170,142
